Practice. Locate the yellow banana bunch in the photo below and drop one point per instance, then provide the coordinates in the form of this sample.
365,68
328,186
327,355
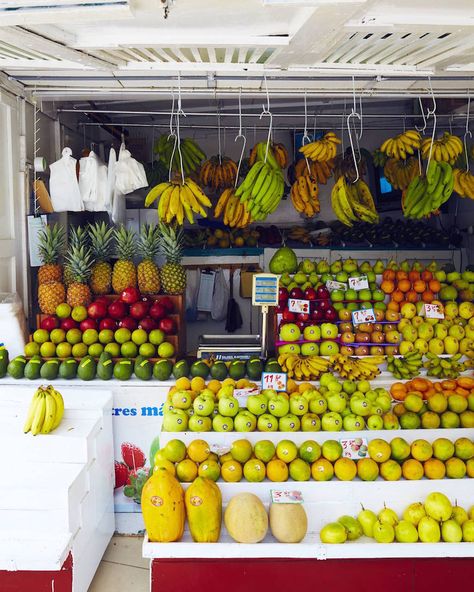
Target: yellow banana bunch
400,173
321,171
353,203
322,150
303,368
45,412
402,146
356,368
446,149
218,172
304,196
234,212
178,200
278,152
463,183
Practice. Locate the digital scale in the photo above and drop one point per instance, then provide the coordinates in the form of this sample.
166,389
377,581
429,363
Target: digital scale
229,347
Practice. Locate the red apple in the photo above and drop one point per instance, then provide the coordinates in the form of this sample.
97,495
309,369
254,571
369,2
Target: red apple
324,304
317,315
118,309
296,293
157,311
69,323
108,323
148,324
103,299
167,303
281,306
139,310
301,324
130,295
167,325
361,350
282,293
97,310
49,323
362,338
128,323
288,316
330,315
323,293
310,294
303,316
348,337
88,324
347,350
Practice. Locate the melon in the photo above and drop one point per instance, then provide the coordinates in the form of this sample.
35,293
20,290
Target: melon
246,519
288,522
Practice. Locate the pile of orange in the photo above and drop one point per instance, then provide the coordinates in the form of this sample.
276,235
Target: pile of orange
464,386
409,286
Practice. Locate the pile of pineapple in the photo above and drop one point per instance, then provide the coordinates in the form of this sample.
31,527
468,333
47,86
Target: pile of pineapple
87,269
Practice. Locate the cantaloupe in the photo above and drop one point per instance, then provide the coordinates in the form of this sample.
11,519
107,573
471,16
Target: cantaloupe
246,519
288,522
203,502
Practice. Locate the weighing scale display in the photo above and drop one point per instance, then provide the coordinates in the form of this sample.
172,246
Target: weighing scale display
265,289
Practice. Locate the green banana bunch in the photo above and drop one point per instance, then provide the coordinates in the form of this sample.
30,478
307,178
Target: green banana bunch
45,412
190,151
262,189
379,158
426,196
406,367
445,368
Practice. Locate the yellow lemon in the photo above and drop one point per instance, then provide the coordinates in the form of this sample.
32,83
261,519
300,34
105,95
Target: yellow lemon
198,384
183,384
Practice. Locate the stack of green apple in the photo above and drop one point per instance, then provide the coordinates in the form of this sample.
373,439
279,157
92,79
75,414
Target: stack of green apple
434,521
320,339
456,285
451,335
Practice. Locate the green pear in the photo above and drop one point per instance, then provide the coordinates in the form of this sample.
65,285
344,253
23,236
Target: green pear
405,266
388,516
352,526
405,532
460,515
333,533
367,519
379,267
468,531
438,506
451,532
428,530
414,513
383,532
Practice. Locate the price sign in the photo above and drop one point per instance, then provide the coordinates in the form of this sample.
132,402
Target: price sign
354,448
265,289
243,394
286,496
359,283
434,311
220,449
274,380
332,285
301,306
366,315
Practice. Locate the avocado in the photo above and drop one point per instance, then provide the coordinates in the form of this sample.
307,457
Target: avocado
87,368
254,368
199,368
68,369
181,369
123,369
162,369
272,365
4,359
16,368
49,370
105,366
237,369
219,370
33,368
143,368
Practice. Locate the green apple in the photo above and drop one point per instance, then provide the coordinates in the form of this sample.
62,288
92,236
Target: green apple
203,405
331,422
278,405
267,423
309,349
328,348
361,407
310,422
290,332
298,405
350,295
349,387
378,295
175,420
337,295
245,421
222,424
228,406
365,294
257,404
312,333
181,399
425,331
198,423
353,423
318,405
289,423
409,333
289,348
436,346
374,422
336,402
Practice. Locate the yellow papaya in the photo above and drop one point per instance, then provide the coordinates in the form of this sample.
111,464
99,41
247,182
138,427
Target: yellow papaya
163,507
204,510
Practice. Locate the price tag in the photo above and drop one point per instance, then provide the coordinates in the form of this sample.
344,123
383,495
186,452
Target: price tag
286,496
295,305
434,311
354,448
332,285
359,283
274,380
220,449
365,315
243,394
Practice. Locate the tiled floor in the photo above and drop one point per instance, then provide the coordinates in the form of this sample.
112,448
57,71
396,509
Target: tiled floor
122,568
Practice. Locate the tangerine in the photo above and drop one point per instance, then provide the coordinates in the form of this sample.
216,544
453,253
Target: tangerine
404,285
411,296
412,469
427,296
434,286
387,286
398,296
419,286
434,469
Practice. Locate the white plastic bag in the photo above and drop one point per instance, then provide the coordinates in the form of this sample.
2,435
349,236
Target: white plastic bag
13,330
130,174
93,182
220,297
63,185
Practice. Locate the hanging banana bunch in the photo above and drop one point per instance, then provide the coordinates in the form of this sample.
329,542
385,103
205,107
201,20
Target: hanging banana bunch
322,150
191,153
234,212
278,152
463,183
218,172
321,171
400,173
447,148
379,157
353,202
402,146
304,196
178,199
425,195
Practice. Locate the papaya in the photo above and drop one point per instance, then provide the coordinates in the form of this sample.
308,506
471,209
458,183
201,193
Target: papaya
288,522
203,502
163,507
246,519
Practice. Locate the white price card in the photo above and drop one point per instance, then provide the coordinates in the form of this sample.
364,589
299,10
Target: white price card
243,394
274,380
300,306
286,496
365,315
434,311
358,283
354,448
332,285
220,449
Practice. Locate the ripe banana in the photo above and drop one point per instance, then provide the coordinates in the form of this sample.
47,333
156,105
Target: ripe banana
303,368
463,183
356,368
304,196
402,146
45,412
353,203
321,150
218,172
400,173
447,148
178,200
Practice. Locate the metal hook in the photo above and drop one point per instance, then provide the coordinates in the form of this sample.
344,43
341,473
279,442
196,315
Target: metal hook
266,111
353,114
240,135
219,147
425,123
431,113
467,131
361,118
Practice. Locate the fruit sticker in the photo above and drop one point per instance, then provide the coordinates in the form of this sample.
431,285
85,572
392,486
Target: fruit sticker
299,306
331,285
366,315
359,283
274,380
433,311
156,501
354,448
286,496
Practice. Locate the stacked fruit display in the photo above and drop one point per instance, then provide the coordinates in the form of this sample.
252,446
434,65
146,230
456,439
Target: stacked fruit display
433,521
461,387
410,284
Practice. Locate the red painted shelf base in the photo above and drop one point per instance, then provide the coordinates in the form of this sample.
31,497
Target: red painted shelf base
38,581
310,575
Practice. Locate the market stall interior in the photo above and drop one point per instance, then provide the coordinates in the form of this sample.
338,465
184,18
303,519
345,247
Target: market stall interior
245,233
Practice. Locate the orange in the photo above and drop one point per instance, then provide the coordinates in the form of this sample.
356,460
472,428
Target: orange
412,469
427,296
379,450
322,470
388,274
231,471
434,286
393,306
419,286
401,275
183,384
426,275
448,385
387,286
277,470
345,469
461,391
404,285
198,450
465,382
420,384
186,470
434,469
214,385
411,296
421,450
398,296
399,409
398,391
413,276
305,386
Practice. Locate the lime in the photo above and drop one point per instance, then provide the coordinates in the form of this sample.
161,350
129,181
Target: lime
139,336
90,336
79,350
122,335
63,311
166,350
64,350
299,470
210,469
106,336
74,336
332,450
32,349
57,336
47,349
175,450
113,349
186,470
367,469
40,336
156,336
310,451
264,450
241,450
129,349
147,350
79,313
254,470
95,350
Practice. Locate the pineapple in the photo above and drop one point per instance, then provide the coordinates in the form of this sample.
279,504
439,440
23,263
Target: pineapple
51,242
172,274
148,272
79,261
50,296
77,238
124,273
101,244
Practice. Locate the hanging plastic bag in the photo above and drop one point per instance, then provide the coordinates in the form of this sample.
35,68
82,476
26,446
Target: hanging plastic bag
192,288
130,174
63,185
93,182
220,297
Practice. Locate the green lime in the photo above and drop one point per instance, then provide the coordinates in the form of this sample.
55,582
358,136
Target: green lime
166,350
79,350
32,349
106,336
90,336
129,349
95,350
74,336
79,313
122,335
47,349
40,336
147,350
113,349
63,311
139,336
